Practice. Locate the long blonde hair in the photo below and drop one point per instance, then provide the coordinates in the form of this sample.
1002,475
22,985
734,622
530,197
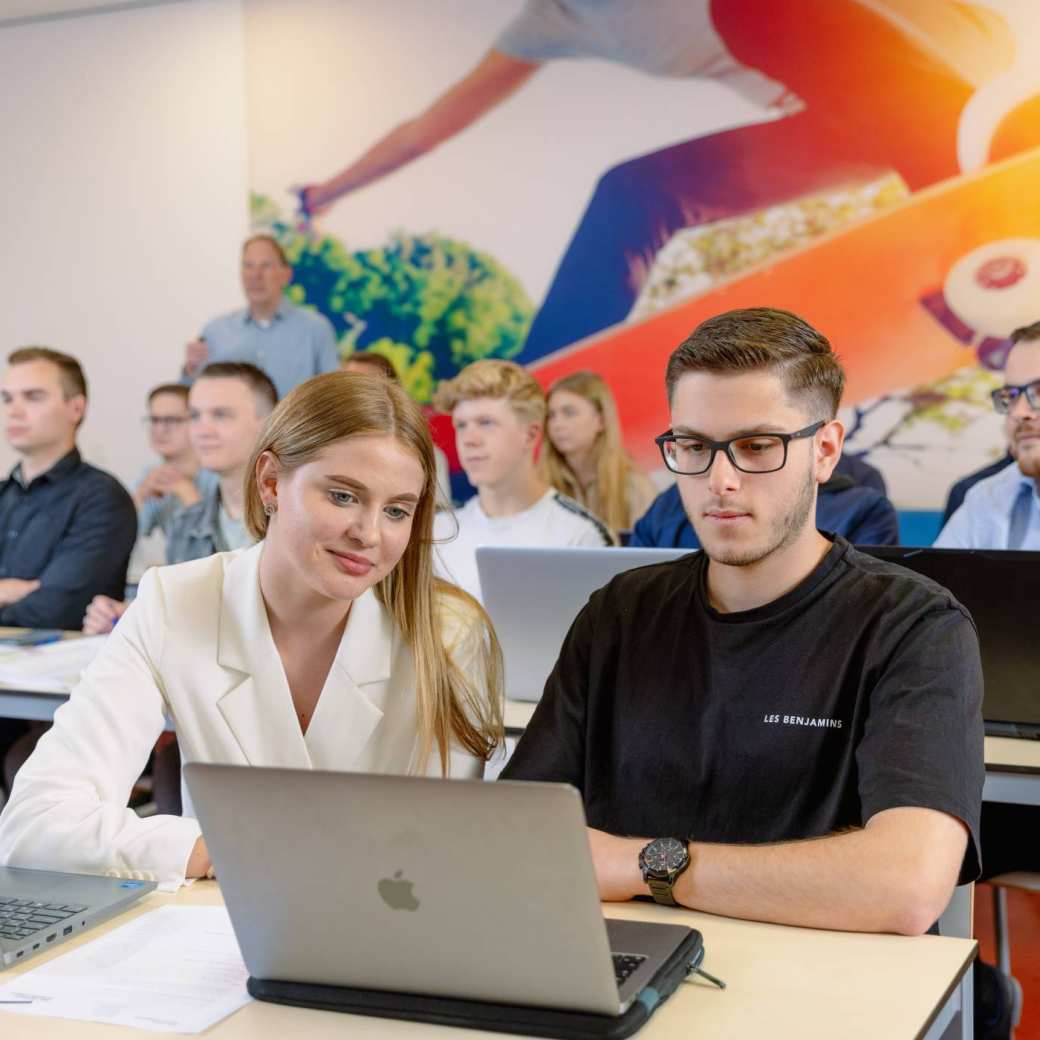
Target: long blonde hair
338,405
609,501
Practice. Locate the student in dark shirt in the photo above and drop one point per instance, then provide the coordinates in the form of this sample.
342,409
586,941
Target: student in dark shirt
784,729
66,528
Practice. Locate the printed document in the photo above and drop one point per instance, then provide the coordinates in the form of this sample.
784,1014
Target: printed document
53,668
173,970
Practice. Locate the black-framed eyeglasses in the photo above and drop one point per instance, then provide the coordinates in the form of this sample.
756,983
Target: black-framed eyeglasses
757,453
166,422
1004,399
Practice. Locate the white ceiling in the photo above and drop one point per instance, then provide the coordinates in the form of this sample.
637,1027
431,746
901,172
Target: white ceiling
20,11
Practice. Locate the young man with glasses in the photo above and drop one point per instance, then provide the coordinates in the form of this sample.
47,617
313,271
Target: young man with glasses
228,404
1003,511
165,489
777,727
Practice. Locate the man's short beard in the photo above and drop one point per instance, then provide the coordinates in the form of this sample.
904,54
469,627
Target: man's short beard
784,530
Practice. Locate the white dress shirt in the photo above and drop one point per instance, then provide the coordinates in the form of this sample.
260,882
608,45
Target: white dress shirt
1000,512
196,645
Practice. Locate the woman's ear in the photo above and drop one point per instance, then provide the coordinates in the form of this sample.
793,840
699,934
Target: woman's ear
266,477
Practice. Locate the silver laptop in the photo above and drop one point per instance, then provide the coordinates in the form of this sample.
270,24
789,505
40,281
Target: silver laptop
534,594
444,888
40,908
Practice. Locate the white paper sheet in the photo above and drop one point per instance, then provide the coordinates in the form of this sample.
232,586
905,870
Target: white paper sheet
177,969
52,668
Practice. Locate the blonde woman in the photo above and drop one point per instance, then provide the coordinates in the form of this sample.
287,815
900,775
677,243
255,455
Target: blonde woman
583,456
327,645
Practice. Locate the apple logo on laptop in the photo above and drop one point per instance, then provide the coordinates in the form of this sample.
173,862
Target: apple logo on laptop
396,892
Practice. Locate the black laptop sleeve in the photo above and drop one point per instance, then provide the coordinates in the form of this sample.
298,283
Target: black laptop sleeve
502,1018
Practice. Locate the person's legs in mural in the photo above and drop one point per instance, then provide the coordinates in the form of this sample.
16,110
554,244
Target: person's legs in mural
874,102
639,204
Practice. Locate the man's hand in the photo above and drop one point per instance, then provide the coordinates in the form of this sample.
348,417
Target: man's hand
616,860
102,615
168,480
196,354
14,589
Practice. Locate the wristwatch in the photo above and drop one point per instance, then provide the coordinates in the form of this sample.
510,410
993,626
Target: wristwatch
662,861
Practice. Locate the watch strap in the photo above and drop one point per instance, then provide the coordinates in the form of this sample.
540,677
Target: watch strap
661,890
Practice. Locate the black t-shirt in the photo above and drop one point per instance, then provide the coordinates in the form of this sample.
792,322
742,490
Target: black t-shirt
860,690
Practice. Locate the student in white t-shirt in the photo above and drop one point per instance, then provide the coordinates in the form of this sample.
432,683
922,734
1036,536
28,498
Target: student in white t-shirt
498,411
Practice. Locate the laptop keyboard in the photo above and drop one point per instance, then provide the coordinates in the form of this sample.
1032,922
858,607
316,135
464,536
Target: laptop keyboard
21,918
625,964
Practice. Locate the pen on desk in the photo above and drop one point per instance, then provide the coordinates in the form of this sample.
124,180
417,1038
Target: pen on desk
4,1001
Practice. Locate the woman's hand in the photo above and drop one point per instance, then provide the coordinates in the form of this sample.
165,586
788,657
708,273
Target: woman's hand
199,863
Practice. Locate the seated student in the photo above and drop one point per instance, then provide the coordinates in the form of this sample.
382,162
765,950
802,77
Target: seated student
328,645
1003,511
367,362
498,411
66,528
844,506
791,726
583,456
228,405
165,489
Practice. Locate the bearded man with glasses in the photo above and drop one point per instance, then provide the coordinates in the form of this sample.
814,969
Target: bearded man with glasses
777,727
1003,511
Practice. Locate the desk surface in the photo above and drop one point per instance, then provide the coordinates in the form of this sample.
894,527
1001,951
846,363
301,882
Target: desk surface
1013,755
782,982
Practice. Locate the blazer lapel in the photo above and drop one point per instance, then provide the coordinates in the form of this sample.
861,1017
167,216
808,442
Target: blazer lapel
256,705
350,707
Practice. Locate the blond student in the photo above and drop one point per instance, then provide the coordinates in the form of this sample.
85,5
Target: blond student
327,645
498,411
583,454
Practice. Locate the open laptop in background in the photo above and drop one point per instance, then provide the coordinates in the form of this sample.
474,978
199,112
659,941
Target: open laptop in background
40,908
1001,590
459,894
533,595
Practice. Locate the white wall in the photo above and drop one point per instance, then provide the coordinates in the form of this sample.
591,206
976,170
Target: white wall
124,198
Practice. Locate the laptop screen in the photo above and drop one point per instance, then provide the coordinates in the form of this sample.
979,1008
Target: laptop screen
1001,590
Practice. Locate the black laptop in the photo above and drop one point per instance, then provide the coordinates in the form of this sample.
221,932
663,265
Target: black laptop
1001,589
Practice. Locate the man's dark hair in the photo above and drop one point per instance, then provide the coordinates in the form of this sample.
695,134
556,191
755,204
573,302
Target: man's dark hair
758,338
380,364
73,381
255,378
1026,334
175,389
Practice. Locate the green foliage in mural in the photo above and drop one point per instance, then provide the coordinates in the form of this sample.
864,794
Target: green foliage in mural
430,304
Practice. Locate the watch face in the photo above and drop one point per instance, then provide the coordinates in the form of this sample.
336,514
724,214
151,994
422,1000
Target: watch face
665,855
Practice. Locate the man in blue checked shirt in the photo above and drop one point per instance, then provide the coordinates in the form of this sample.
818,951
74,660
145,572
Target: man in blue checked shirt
289,343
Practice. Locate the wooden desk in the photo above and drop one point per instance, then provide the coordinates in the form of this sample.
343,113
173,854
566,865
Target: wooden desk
1012,771
782,982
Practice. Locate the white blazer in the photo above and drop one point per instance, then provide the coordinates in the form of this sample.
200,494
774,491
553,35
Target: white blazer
196,644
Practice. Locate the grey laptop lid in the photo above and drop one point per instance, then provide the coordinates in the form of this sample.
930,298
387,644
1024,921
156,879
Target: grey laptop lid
533,595
40,908
416,885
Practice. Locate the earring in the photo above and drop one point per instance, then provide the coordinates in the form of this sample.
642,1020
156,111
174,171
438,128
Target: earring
270,509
